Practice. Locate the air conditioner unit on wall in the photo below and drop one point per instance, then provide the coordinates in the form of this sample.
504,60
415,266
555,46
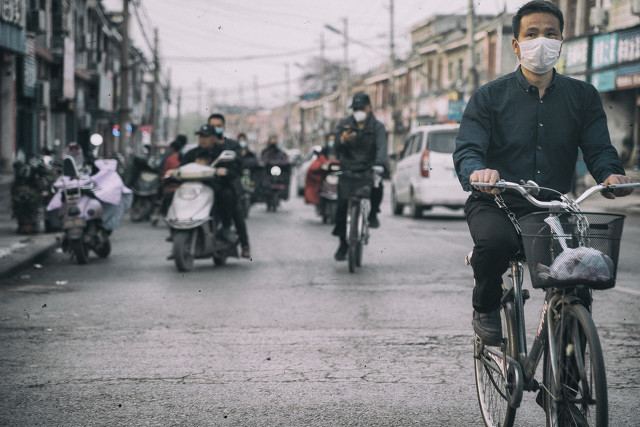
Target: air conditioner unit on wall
43,94
598,17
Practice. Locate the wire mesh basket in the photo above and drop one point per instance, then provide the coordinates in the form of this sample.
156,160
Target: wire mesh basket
568,249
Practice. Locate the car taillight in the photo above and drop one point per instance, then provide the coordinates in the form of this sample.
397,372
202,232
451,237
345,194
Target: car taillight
424,164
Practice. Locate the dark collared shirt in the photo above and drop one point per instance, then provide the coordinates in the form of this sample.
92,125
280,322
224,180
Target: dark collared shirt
507,127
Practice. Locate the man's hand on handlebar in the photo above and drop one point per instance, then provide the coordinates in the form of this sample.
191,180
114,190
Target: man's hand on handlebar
486,175
618,192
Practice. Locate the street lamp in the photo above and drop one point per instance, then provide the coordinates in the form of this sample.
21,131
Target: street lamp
345,71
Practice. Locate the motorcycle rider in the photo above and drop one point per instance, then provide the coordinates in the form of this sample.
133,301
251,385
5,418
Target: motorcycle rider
361,144
317,171
217,121
273,155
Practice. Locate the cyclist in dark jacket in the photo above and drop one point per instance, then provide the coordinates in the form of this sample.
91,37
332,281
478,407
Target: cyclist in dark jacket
361,144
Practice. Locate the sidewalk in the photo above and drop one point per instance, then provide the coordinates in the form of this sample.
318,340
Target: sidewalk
20,251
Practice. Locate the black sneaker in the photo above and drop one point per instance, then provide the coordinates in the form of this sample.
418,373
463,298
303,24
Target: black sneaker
341,253
373,221
488,327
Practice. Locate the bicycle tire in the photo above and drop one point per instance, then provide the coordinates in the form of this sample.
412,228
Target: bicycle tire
354,236
491,385
581,374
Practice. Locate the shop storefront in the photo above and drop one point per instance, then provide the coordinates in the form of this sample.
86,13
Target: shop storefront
12,49
611,62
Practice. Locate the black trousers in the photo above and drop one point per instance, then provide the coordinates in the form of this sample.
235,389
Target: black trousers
495,244
228,210
376,198
348,186
241,225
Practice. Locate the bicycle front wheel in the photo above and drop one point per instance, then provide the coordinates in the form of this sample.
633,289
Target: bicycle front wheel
354,236
577,393
495,383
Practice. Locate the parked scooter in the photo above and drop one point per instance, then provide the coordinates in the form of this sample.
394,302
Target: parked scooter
196,232
90,206
31,191
146,186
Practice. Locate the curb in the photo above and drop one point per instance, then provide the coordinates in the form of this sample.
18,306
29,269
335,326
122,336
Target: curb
34,249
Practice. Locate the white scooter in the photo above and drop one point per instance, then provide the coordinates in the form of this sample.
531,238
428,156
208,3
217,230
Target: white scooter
196,233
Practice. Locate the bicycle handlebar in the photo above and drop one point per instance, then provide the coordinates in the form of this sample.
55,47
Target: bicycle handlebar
530,189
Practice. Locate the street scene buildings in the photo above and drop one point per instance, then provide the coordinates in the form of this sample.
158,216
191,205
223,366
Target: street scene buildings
64,75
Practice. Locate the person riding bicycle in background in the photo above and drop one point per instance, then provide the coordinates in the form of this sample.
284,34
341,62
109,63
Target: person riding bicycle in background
361,144
526,125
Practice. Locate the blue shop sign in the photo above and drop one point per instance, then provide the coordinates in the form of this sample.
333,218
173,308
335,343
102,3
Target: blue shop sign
604,81
455,110
573,58
12,25
604,50
629,46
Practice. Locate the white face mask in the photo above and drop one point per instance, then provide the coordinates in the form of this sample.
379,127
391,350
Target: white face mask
539,55
359,116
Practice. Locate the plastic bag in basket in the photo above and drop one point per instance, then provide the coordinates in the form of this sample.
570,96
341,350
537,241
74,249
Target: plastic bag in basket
581,263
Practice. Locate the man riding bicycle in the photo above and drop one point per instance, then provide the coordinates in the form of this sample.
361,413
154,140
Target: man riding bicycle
526,125
361,144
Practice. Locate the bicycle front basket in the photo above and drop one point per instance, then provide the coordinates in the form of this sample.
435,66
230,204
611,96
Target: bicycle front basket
566,249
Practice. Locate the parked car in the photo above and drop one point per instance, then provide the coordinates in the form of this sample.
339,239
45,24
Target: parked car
424,176
301,174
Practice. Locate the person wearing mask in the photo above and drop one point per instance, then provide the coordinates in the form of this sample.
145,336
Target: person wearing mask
317,170
361,143
249,159
272,154
218,122
526,125
226,185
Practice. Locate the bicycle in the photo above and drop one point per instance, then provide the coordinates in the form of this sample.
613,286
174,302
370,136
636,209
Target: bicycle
573,389
358,209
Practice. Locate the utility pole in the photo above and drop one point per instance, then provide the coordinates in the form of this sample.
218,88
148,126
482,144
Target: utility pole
178,108
199,97
124,79
156,84
324,87
392,83
473,72
345,31
256,91
286,119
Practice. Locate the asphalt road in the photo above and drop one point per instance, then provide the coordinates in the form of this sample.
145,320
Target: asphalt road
288,338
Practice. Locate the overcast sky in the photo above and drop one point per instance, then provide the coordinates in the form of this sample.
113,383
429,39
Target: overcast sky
228,45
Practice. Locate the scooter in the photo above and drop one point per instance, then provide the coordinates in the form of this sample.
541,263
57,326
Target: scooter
145,189
196,232
31,191
328,194
278,176
90,205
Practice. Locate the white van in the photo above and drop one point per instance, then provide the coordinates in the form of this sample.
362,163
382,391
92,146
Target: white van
425,176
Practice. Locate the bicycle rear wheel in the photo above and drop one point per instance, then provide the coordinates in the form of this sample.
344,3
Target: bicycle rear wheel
577,396
494,383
